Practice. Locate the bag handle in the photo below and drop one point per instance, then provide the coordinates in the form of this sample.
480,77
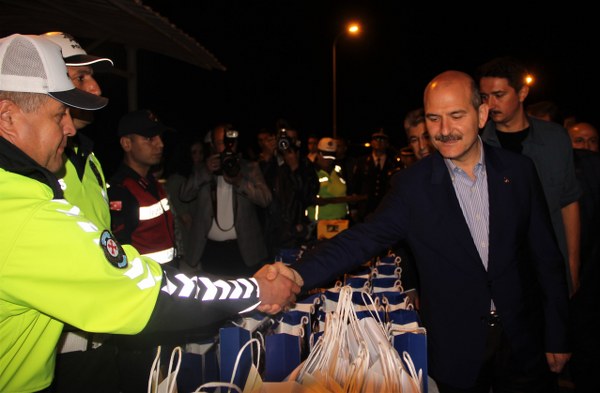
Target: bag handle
169,383
172,373
208,385
230,385
154,372
239,356
416,378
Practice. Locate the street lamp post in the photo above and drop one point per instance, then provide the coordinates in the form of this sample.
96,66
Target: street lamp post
353,29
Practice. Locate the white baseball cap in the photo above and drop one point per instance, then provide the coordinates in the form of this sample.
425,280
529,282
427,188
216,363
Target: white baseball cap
73,54
327,146
34,64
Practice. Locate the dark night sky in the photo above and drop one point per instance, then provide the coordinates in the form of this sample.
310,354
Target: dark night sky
278,56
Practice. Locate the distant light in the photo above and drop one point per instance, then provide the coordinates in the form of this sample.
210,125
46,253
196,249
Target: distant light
529,79
354,28
367,144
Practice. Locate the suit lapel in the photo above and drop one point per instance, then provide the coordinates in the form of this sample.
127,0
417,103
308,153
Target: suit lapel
500,197
445,199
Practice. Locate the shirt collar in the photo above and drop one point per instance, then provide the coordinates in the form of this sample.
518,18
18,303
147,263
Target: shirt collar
480,163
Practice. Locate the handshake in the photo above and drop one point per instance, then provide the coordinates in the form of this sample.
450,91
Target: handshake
278,285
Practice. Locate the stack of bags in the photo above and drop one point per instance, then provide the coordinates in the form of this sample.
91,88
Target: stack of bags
289,339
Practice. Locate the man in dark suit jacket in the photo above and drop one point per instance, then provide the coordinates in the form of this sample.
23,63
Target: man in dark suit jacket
493,292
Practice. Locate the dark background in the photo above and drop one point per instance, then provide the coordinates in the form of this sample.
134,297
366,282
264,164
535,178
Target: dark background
278,56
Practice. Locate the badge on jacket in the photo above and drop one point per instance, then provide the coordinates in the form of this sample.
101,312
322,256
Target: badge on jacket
113,250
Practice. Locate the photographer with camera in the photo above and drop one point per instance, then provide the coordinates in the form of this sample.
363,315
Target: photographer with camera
227,192
293,183
229,158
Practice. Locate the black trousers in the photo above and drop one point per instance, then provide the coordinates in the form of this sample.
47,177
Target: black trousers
585,325
136,353
498,371
94,371
225,258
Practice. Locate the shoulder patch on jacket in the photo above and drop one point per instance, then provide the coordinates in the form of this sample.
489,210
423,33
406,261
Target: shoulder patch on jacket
113,250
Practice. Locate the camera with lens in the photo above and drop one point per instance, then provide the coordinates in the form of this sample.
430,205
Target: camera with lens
230,161
284,142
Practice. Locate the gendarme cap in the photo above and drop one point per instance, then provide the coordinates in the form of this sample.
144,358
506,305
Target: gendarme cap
142,122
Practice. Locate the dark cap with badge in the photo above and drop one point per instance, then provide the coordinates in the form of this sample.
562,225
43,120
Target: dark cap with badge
379,135
142,122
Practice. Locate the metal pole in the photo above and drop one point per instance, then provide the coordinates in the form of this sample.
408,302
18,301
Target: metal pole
353,29
334,61
334,113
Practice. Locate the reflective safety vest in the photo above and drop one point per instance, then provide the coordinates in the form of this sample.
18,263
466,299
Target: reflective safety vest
330,185
84,185
55,263
154,234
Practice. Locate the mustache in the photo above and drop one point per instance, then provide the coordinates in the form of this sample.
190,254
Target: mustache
448,138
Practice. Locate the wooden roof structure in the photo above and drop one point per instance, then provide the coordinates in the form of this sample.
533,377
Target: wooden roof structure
124,22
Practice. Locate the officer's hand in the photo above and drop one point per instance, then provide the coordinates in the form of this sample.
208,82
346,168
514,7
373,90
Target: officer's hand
277,290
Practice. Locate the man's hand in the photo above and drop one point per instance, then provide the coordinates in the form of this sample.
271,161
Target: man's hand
213,163
280,268
557,361
235,180
277,290
291,158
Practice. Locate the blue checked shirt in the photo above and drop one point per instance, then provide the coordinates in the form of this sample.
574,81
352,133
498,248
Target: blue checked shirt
474,202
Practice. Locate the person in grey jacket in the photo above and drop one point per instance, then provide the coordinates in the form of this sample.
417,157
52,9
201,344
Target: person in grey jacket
502,86
226,234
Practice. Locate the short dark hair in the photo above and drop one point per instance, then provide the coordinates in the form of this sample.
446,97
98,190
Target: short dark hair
504,67
545,108
476,100
265,130
414,118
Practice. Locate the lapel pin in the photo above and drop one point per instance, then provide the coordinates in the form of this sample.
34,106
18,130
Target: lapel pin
506,180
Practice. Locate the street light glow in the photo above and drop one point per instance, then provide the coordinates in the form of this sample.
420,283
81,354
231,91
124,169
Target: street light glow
352,28
529,79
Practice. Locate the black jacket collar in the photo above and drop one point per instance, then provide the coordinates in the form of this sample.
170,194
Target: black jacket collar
15,160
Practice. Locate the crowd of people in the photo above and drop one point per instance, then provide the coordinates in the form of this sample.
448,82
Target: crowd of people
496,203
282,187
